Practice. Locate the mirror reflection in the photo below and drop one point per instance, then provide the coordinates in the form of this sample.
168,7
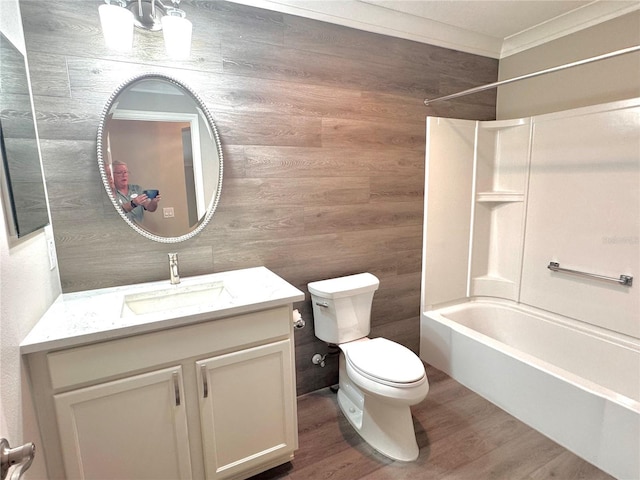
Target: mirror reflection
24,188
160,157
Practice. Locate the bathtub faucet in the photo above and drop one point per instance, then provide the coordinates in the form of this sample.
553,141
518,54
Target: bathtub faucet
173,268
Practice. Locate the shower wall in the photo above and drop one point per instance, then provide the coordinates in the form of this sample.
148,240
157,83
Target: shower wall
584,213
561,187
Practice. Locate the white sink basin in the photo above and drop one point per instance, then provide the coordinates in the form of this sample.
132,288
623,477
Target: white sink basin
206,295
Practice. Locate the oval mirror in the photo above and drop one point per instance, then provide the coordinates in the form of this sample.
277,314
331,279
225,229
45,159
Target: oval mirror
160,157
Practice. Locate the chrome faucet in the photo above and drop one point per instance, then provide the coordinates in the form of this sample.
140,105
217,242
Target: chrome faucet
173,268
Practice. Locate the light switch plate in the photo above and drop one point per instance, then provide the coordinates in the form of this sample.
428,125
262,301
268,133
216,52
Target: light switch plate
52,254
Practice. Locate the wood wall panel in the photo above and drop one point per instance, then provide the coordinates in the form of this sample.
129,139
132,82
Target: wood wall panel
303,191
362,217
71,160
309,163
340,133
269,129
398,188
293,65
309,35
323,131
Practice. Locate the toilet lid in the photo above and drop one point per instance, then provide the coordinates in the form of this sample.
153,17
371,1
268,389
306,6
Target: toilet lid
385,360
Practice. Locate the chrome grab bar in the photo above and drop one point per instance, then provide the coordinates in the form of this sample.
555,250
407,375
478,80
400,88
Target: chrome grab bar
626,280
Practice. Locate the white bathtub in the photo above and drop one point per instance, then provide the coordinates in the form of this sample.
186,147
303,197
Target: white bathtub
578,385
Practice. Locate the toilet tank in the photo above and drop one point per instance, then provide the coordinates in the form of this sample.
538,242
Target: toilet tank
342,307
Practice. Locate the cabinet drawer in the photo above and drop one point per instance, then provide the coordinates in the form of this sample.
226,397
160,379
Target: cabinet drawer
91,363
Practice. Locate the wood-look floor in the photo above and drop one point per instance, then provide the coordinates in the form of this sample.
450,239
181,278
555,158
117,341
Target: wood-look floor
460,434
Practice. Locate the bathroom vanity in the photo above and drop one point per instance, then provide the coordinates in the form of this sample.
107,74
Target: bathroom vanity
195,380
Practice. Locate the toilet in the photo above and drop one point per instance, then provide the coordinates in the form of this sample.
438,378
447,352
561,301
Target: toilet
379,379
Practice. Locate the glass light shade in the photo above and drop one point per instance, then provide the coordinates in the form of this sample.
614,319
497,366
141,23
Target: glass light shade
117,26
177,36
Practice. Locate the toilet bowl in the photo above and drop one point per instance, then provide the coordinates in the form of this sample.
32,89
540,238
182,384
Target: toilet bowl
379,380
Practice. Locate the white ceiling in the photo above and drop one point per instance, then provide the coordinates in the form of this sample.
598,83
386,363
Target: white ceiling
493,28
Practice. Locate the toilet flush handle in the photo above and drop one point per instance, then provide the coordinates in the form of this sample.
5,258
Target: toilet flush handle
322,304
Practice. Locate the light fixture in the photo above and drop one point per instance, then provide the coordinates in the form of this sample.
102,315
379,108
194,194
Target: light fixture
118,17
177,33
117,25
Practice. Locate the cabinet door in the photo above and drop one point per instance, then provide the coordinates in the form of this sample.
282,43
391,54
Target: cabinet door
133,428
248,410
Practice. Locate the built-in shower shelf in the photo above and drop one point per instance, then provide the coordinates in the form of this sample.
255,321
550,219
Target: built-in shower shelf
499,197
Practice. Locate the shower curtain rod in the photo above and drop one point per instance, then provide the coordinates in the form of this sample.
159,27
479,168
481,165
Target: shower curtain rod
533,74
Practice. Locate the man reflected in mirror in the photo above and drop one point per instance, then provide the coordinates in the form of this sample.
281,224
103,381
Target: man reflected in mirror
131,197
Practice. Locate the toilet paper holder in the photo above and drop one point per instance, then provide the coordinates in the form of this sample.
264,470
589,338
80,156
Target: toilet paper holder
20,457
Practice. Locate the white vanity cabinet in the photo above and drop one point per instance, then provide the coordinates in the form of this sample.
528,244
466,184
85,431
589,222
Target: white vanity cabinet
247,413
134,427
213,399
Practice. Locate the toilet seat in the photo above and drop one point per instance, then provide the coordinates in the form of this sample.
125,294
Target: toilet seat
386,362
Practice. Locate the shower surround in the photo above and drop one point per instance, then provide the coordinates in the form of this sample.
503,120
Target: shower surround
560,351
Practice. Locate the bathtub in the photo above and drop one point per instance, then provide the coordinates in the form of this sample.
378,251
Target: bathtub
576,384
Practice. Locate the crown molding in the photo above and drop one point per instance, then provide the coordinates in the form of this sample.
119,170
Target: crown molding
574,21
373,18
376,19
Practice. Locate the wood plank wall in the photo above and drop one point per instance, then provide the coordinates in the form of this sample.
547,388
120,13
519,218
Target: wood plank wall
323,132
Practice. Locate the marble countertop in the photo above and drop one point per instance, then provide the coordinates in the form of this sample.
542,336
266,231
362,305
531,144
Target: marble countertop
97,315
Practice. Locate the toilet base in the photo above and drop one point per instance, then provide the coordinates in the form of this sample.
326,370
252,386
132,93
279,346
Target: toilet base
386,427
394,438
